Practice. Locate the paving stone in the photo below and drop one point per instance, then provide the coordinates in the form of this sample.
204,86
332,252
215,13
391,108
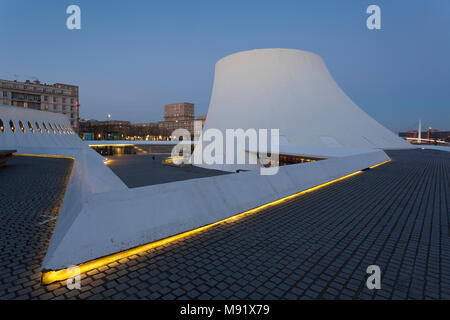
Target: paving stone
316,246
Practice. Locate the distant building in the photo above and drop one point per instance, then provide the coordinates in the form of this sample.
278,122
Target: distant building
202,119
121,130
58,97
104,130
170,126
429,136
179,111
148,130
178,116
146,125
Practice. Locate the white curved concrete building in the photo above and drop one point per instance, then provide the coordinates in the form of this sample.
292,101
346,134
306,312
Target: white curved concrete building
102,220
293,91
27,128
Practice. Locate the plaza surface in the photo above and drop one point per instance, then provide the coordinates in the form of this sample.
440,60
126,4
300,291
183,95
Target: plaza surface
316,246
144,170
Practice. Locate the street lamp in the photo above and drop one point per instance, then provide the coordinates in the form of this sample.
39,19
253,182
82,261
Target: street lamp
107,127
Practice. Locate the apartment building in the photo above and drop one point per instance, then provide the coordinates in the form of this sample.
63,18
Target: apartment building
179,111
178,116
58,97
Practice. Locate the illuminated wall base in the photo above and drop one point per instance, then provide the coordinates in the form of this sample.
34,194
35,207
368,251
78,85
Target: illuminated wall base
53,276
43,156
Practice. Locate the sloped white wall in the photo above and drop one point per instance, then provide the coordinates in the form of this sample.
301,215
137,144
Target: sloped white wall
19,139
114,221
293,91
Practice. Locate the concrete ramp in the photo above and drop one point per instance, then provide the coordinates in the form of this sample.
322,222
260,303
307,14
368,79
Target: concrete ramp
93,225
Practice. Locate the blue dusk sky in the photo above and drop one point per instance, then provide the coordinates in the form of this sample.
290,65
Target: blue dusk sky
132,57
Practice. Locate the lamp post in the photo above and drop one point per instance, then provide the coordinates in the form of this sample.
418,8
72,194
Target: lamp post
108,127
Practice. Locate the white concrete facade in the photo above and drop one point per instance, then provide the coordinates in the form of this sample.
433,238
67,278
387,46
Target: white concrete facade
94,225
100,215
40,129
290,90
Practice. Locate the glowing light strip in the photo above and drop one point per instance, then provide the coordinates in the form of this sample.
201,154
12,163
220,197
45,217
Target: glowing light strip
110,145
53,276
380,164
106,161
43,156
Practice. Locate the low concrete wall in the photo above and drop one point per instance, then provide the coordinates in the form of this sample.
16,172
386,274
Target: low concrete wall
113,221
89,176
58,138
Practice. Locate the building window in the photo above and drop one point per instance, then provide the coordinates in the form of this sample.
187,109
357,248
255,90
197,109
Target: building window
30,127
56,127
64,100
11,125
38,127
45,98
5,93
45,127
25,97
54,99
54,107
72,101
25,87
5,101
22,127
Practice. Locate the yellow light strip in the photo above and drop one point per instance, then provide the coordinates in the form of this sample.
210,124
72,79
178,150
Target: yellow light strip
380,164
53,276
43,156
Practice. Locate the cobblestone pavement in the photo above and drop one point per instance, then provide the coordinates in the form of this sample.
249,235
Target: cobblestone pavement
31,191
317,246
143,170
